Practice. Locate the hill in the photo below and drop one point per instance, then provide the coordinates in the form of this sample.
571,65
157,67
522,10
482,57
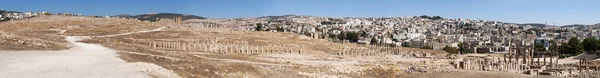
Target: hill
574,25
44,33
533,24
153,17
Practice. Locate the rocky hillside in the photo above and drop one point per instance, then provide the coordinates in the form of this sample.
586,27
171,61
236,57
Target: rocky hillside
154,16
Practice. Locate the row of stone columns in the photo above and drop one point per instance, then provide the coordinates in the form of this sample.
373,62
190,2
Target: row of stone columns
367,52
224,48
202,25
359,51
486,65
543,61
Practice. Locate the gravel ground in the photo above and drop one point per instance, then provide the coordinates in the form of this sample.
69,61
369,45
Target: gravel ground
81,61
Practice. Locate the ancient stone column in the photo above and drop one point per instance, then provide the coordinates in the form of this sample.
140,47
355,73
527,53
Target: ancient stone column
167,45
156,45
551,61
254,49
177,45
203,47
231,50
227,49
356,51
260,50
579,65
351,52
188,46
532,54
217,48
159,45
194,46
234,48
152,45
504,58
172,45
198,47
544,59
211,48
246,48
224,48
556,63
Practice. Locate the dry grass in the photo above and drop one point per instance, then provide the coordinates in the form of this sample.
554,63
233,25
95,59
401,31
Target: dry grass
42,33
198,67
76,25
14,42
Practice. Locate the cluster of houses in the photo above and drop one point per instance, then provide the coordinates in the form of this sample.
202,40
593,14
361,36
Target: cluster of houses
14,15
5,15
481,36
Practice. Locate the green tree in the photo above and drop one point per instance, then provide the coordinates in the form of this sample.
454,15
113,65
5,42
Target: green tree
364,34
563,49
436,17
590,45
462,48
342,36
374,41
334,36
424,16
577,47
451,50
406,45
573,47
352,36
259,26
279,28
539,47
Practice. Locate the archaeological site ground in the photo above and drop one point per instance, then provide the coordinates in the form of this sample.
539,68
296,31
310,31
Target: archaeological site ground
78,46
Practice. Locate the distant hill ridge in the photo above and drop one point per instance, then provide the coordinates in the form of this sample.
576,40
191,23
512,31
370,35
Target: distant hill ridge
533,24
542,25
153,16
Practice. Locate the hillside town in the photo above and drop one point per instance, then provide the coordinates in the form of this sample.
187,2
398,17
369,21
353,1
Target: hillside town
479,36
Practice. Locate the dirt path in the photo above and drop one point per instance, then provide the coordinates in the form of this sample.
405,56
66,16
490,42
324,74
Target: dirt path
82,61
575,59
158,29
241,61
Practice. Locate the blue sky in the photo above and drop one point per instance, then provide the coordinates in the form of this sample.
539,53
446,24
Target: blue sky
561,12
